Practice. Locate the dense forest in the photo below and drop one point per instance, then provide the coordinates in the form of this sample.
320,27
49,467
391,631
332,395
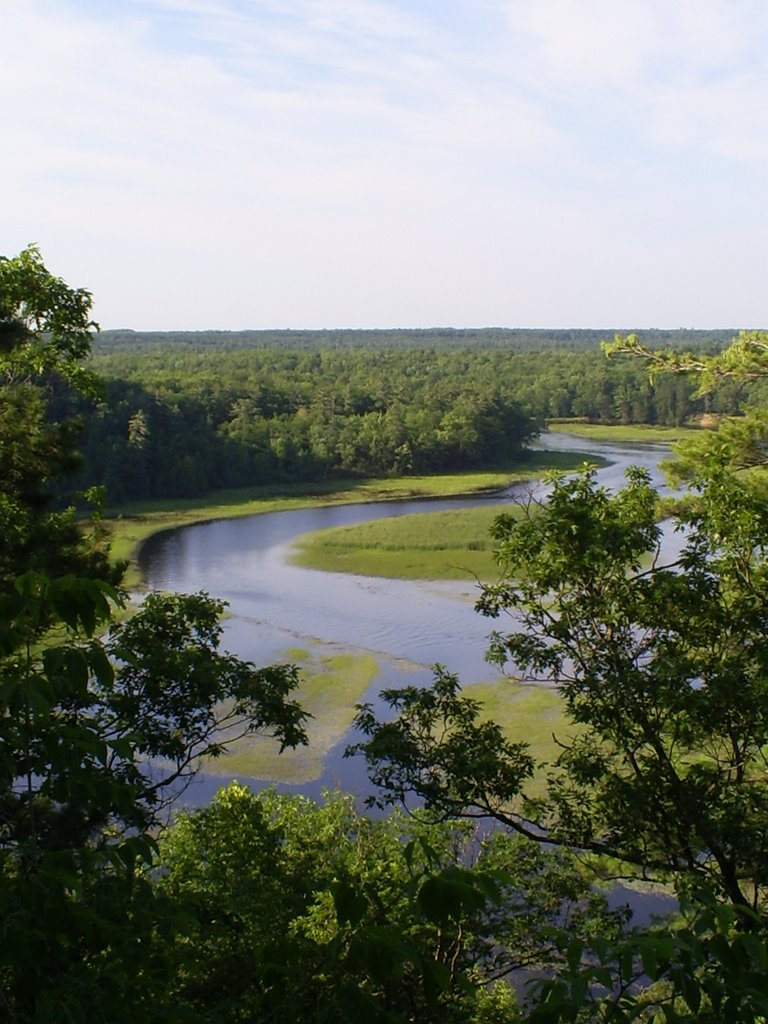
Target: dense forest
186,415
479,906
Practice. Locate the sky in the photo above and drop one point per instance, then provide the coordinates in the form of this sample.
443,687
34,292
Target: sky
234,164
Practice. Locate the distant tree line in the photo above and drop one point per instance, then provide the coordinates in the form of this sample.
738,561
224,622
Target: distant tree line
176,422
511,339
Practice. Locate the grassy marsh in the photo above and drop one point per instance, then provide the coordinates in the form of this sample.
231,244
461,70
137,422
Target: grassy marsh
527,714
332,686
427,545
444,545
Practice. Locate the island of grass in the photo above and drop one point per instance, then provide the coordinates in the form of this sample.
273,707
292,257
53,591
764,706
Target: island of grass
453,545
621,433
448,545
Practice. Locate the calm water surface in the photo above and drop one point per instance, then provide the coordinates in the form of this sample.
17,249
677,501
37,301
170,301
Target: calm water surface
407,625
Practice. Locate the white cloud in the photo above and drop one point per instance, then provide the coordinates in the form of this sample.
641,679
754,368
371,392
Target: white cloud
587,42
332,162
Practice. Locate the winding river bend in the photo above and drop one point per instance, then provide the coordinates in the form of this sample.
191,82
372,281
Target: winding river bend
407,625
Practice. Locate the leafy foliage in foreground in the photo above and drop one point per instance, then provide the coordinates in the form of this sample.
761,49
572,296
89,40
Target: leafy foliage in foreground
706,968
98,737
310,912
45,331
100,722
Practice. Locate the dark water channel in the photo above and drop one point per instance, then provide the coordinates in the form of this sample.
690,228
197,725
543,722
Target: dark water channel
407,625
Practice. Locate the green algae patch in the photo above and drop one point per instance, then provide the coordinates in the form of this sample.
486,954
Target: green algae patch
331,687
529,714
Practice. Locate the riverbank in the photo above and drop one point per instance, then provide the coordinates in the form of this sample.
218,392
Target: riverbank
447,545
129,526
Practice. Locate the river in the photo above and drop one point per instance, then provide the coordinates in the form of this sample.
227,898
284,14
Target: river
408,625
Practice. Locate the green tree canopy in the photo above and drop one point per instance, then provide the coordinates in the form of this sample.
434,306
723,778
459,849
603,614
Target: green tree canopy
45,336
45,326
101,719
